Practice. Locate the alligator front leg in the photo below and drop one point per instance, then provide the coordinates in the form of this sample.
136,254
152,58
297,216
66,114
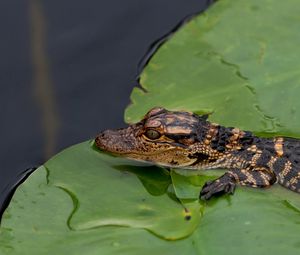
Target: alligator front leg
253,177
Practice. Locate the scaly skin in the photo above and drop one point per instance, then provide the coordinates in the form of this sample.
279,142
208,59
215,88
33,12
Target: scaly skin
183,139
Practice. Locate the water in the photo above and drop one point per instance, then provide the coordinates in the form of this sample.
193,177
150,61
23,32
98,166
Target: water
66,72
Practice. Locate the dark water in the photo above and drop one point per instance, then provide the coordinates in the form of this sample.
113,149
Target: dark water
67,70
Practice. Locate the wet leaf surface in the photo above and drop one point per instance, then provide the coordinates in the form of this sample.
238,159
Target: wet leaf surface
238,61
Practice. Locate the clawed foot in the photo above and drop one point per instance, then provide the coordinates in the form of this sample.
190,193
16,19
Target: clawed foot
217,187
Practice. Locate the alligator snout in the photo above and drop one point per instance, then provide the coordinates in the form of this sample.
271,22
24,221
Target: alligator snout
115,141
106,139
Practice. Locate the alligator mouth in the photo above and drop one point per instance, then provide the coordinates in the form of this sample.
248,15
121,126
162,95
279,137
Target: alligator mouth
124,147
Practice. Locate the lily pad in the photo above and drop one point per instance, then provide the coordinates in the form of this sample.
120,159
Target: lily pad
37,223
252,221
237,61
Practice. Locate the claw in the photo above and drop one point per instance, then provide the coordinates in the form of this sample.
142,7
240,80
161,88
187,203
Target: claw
208,183
230,189
223,185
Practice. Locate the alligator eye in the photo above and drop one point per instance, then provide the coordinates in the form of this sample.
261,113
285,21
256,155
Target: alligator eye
152,134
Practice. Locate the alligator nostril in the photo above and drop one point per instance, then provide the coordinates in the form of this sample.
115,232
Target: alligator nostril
102,135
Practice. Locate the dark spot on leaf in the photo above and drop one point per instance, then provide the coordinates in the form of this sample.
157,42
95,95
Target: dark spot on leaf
187,217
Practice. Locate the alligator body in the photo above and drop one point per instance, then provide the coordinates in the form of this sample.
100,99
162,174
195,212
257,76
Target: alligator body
186,140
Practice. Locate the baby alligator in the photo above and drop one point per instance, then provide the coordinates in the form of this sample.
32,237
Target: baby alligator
186,140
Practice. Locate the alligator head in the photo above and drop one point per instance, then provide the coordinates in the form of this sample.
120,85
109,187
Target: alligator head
169,138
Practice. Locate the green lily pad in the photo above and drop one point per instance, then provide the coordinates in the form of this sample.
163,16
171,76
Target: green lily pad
250,222
237,61
36,222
